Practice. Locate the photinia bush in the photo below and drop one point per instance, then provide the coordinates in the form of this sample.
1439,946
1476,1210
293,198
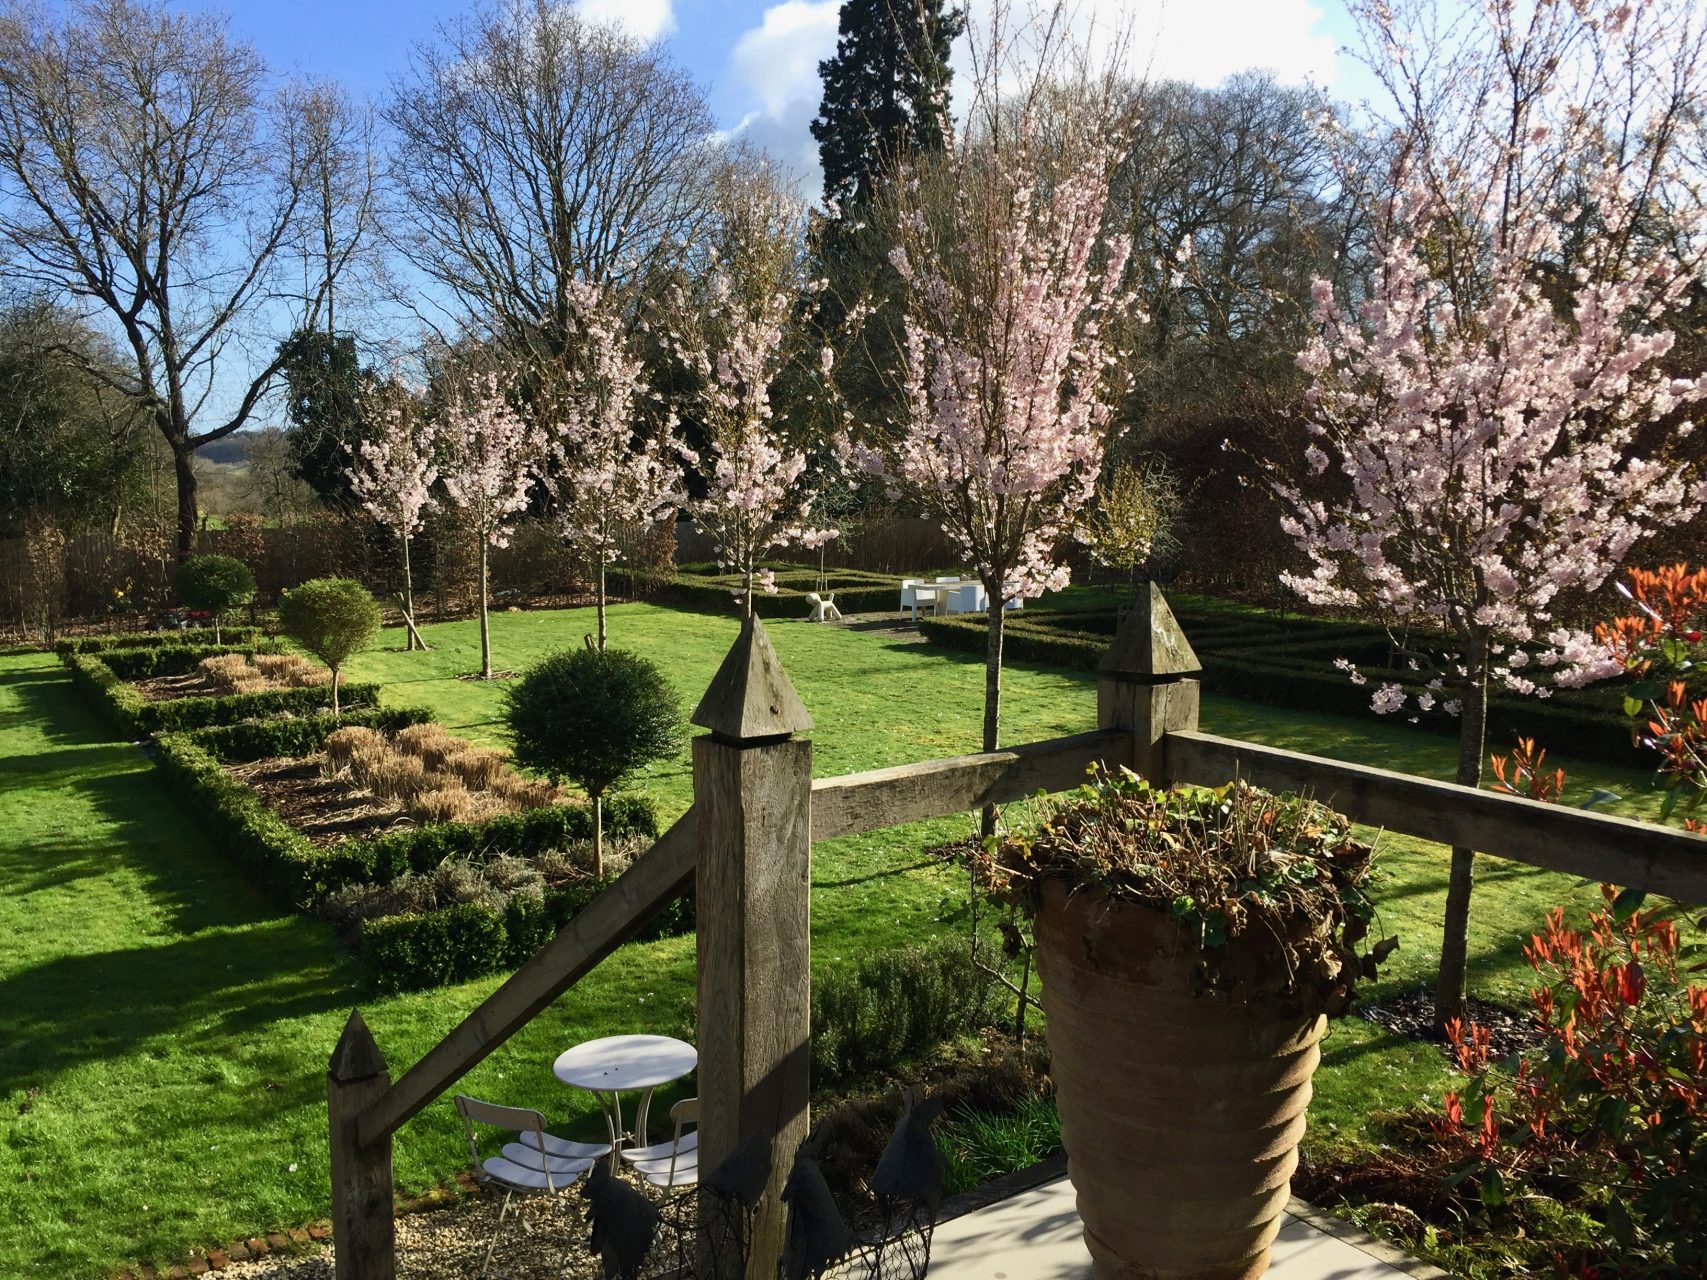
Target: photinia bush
1610,1114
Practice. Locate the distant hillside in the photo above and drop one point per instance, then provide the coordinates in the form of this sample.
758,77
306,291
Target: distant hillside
234,448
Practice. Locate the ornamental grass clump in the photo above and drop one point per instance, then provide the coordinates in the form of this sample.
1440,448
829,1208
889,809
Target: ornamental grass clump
1270,891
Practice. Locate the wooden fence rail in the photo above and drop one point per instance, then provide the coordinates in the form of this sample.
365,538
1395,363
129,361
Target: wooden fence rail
745,846
1596,846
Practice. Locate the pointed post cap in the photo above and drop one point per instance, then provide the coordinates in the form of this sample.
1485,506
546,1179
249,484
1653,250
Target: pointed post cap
1150,643
751,695
357,1056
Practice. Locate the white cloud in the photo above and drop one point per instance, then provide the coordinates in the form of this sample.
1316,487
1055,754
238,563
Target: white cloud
644,19
774,66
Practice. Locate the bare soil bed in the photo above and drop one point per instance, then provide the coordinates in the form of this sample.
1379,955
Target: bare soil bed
326,810
192,684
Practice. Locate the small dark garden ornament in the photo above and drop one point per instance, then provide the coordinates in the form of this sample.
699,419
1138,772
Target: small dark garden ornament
1192,944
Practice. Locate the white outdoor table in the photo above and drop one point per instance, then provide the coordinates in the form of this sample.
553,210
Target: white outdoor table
613,1064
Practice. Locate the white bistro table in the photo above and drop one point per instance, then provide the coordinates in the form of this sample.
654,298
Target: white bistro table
612,1065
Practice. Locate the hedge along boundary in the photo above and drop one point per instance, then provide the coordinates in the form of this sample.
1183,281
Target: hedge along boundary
413,951
300,873
855,592
137,717
1285,672
153,639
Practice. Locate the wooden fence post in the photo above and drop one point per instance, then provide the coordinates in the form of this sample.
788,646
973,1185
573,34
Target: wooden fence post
752,785
363,1229
1147,683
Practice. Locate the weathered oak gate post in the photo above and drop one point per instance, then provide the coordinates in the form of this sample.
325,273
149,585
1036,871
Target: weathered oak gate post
363,1229
1147,683
752,785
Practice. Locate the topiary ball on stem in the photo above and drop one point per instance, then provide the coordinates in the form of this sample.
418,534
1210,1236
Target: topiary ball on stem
216,584
592,717
332,618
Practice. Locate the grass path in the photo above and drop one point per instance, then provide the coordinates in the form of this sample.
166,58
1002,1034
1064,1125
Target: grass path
164,1031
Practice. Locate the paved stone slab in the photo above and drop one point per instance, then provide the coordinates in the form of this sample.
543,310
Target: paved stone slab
1036,1236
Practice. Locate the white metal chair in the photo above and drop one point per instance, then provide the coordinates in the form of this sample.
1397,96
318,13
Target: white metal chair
527,1167
909,598
674,1163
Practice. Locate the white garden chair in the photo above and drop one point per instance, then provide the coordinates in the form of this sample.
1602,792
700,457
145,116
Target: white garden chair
909,598
526,1167
674,1163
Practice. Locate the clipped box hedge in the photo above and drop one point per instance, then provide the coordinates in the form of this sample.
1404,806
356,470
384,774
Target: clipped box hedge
137,717
300,873
189,636
855,590
413,951
298,735
1289,663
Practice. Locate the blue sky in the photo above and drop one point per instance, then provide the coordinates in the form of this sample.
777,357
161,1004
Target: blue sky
759,60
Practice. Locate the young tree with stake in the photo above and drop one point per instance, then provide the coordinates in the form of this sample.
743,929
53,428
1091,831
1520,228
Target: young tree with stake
1489,410
606,475
489,456
1009,374
392,473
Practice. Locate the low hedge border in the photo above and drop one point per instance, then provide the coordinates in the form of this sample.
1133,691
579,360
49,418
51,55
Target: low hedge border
414,951
1287,669
300,873
173,659
298,735
136,717
855,593
151,639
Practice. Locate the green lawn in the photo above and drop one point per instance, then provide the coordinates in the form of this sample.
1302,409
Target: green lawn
164,1031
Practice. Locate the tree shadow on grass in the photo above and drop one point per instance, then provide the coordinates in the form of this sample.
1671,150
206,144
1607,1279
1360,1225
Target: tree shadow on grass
203,989
43,699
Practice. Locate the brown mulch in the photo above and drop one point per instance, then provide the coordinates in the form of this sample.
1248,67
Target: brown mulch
192,684
326,810
496,675
1411,1014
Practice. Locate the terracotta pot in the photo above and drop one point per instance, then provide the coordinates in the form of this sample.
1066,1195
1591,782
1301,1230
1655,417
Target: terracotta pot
1180,1113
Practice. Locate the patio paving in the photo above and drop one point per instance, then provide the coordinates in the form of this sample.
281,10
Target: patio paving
1035,1235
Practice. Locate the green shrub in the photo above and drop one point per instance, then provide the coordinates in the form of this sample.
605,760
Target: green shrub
332,618
151,639
217,584
981,1146
411,952
592,717
895,1006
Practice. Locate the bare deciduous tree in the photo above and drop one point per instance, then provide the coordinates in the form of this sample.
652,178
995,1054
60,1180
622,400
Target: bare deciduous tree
148,173
535,149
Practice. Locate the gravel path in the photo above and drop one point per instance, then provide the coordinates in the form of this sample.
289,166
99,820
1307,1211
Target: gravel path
542,1239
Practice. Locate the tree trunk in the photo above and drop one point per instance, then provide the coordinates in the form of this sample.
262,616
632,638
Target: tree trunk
408,598
748,611
336,712
485,624
182,459
599,589
992,690
598,835
1453,985
216,633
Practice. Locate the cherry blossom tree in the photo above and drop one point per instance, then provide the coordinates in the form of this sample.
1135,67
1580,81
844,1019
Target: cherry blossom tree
755,501
607,476
734,340
392,474
1485,422
1009,374
489,459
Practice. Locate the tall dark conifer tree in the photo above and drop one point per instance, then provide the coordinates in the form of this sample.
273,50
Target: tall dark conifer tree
885,91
